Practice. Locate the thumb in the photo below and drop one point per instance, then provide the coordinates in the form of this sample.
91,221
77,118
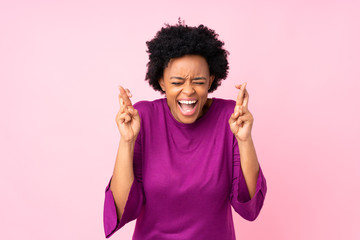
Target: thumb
134,113
234,116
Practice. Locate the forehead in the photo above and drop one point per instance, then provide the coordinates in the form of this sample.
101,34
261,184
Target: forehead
188,64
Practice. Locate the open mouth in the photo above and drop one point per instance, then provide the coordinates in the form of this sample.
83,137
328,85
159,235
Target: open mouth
187,107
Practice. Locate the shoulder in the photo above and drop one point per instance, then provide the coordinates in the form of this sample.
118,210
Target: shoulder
226,102
150,113
226,105
146,107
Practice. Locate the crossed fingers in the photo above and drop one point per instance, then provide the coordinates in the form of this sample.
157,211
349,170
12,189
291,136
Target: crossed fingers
126,107
241,100
124,95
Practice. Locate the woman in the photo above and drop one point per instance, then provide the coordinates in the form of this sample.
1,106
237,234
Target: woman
178,169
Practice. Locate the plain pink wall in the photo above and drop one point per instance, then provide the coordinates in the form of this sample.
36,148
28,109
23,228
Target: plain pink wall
61,63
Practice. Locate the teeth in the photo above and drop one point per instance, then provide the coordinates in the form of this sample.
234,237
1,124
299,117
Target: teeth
187,102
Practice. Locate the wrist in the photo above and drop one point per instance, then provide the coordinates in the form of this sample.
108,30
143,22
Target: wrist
127,143
246,140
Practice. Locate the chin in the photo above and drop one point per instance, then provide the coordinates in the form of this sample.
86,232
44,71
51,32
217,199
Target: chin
187,120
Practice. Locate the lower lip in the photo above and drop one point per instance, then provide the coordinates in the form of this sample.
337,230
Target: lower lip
188,113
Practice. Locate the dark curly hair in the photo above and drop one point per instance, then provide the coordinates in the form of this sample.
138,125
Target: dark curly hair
179,40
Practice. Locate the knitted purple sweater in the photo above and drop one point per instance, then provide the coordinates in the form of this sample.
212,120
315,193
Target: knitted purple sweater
187,177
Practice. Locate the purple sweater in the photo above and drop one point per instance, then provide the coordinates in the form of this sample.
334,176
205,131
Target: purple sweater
187,177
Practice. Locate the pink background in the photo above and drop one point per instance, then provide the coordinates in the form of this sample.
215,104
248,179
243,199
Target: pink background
61,63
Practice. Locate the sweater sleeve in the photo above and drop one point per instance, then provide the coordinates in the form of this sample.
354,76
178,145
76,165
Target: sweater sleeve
248,208
135,200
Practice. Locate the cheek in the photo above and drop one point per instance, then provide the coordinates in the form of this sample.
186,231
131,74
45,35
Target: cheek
203,91
172,93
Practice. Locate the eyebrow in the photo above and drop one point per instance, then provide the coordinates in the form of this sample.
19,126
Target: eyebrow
181,78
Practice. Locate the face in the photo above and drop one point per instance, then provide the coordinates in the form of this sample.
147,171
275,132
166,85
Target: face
186,81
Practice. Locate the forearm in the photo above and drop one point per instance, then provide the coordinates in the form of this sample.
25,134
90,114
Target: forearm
249,164
123,175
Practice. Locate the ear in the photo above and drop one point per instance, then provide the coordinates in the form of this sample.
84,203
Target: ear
162,84
212,77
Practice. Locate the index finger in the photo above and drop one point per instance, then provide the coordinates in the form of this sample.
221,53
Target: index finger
246,99
240,97
125,97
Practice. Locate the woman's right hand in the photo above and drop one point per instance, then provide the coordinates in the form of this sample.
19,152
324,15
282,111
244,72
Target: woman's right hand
127,119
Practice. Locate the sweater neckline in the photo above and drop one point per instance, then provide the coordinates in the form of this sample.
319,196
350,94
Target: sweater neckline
189,125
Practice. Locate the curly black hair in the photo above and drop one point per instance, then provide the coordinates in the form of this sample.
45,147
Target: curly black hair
179,40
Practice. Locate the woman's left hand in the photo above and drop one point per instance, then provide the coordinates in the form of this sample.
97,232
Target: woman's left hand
241,120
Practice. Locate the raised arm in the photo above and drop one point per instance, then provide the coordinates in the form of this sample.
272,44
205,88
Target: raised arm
128,122
249,186
125,188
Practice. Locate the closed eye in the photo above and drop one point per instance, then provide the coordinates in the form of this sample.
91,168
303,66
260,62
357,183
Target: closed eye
198,83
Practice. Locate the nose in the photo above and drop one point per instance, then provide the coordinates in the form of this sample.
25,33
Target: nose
188,89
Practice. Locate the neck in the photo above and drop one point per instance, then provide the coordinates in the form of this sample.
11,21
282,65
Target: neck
206,107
